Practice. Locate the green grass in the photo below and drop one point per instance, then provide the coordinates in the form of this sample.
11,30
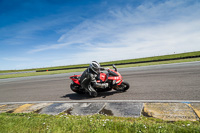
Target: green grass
35,123
190,54
155,58
80,70
159,63
39,73
9,71
197,53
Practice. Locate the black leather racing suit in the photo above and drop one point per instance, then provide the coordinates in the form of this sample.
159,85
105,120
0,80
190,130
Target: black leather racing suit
88,79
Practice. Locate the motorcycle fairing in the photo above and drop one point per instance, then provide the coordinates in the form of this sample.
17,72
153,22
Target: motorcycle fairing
75,79
118,79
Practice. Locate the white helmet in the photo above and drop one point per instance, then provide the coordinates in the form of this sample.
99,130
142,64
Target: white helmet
95,66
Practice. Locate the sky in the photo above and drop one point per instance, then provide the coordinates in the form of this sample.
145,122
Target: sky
46,33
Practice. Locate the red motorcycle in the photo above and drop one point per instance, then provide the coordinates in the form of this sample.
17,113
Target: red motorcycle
112,77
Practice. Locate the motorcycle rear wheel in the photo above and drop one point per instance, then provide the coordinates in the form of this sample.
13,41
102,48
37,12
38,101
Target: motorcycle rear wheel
76,88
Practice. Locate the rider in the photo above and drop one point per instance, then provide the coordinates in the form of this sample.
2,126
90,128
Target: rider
88,79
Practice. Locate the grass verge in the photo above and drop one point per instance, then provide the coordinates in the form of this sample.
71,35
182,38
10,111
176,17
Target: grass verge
80,70
23,123
132,61
39,73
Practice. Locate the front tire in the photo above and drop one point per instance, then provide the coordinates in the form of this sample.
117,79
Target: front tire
124,86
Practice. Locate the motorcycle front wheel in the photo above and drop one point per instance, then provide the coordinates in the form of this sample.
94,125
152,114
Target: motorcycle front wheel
123,87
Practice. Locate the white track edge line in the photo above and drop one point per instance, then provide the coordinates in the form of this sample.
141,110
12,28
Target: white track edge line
108,101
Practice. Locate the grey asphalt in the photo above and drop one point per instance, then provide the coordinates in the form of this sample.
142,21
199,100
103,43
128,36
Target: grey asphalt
159,82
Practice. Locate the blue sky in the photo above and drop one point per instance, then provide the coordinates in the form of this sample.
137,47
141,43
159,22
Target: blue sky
43,33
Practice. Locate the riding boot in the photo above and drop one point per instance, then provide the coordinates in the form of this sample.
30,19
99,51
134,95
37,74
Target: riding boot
92,92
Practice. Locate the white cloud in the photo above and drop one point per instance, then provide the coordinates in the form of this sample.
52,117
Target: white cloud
122,33
48,47
17,59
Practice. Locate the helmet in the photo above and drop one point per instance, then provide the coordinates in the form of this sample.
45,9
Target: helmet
95,66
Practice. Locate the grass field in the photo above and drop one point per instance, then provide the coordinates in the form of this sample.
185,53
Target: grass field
37,123
155,58
80,70
155,61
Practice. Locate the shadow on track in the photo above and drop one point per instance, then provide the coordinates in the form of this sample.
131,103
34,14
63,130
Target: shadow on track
75,96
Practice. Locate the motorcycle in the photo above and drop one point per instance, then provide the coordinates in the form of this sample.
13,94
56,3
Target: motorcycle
112,77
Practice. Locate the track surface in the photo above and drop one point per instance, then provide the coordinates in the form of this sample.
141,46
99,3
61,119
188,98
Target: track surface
160,82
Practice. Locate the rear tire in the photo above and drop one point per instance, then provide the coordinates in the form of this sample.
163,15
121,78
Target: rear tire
76,88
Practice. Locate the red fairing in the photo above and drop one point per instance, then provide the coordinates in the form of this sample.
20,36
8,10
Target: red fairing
118,78
115,77
120,82
103,77
75,79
